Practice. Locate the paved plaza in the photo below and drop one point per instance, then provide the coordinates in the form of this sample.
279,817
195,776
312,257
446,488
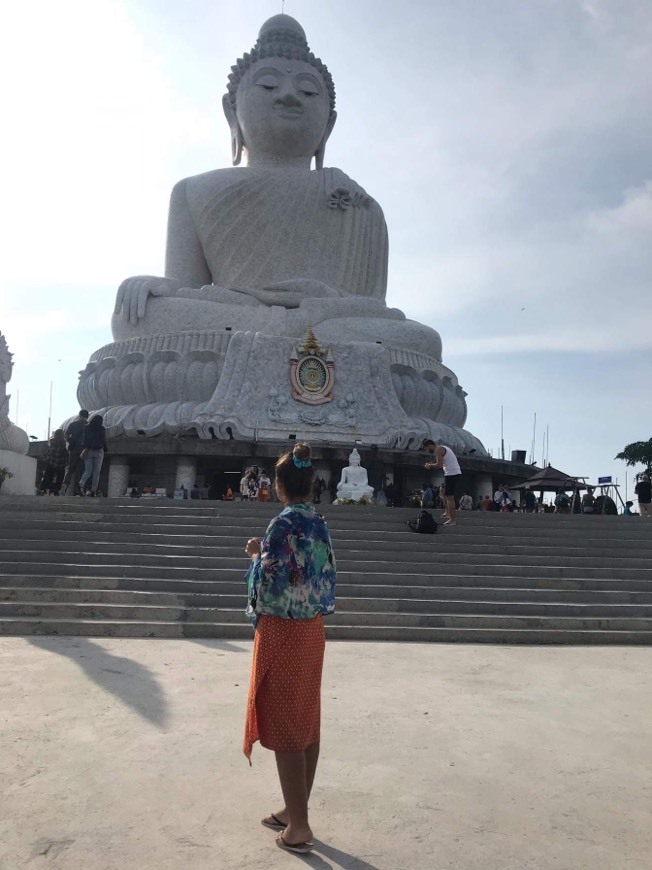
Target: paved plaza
126,754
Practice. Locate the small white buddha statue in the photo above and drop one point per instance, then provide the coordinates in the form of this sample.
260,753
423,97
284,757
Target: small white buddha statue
354,483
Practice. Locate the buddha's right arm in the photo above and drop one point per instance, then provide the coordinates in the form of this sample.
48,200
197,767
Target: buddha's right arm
185,264
184,254
133,293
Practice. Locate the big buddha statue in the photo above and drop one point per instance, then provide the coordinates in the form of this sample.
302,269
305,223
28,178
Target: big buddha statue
258,256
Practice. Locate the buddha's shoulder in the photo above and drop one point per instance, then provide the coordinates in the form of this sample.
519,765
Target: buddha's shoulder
210,181
331,182
337,180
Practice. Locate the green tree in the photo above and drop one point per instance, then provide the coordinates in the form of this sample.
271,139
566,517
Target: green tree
637,453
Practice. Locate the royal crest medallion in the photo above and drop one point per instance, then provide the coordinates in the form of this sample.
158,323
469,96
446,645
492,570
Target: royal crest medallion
312,372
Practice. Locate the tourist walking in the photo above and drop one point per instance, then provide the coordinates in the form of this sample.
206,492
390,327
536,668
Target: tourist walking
54,461
562,503
291,586
428,496
249,485
446,459
643,490
264,487
94,445
588,502
530,501
75,466
466,502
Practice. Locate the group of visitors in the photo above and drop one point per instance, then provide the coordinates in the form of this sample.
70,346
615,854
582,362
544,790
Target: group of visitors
434,497
255,485
72,460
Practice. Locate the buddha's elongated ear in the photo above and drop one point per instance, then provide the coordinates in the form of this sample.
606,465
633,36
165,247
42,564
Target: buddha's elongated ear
321,150
236,132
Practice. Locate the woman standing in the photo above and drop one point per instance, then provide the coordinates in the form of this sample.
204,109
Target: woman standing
264,485
291,585
93,447
54,460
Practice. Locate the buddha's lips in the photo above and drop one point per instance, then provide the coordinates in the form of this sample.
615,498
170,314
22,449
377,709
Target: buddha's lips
291,111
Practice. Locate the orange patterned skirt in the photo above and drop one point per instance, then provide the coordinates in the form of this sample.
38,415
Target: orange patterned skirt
284,704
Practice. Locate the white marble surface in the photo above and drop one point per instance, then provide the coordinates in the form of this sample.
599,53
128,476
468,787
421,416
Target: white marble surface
256,255
12,437
354,482
24,470
252,400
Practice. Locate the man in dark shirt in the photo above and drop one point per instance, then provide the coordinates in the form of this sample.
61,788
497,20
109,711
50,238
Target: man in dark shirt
75,467
530,500
375,471
643,490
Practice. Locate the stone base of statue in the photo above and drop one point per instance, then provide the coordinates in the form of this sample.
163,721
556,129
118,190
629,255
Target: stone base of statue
23,471
247,386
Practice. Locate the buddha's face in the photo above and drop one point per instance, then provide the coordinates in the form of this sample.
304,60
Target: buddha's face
282,108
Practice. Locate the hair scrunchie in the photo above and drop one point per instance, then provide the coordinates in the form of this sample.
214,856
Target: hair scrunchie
301,463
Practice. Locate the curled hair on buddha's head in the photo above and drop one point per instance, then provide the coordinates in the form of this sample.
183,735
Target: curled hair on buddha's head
280,36
295,473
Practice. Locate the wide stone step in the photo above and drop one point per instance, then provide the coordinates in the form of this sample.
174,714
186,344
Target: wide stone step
509,620
231,555
127,510
502,635
366,597
334,631
151,613
180,581
232,545
632,533
85,565
209,607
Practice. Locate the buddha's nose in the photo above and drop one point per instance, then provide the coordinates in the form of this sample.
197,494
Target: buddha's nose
289,96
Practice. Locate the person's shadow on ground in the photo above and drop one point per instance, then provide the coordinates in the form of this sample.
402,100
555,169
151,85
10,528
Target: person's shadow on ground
343,860
131,682
219,644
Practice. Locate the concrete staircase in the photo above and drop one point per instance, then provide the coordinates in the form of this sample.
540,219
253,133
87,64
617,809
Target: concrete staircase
145,568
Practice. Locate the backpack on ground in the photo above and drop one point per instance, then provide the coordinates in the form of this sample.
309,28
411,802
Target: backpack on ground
424,524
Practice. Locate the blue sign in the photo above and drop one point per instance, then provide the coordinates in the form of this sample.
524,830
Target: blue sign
604,480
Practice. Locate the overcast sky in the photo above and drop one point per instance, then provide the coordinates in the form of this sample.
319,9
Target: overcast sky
509,143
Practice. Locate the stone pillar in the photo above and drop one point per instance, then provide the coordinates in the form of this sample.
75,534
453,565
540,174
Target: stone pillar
186,472
483,486
118,476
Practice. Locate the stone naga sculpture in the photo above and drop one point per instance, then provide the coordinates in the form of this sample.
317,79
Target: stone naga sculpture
354,483
12,438
257,254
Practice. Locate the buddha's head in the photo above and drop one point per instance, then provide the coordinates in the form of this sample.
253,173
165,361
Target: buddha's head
354,458
280,100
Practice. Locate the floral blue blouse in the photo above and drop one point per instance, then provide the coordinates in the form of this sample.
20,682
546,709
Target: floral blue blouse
294,575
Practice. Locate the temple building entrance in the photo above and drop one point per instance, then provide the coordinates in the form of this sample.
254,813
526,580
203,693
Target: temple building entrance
218,474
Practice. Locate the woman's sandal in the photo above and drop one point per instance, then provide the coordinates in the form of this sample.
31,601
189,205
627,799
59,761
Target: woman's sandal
297,848
275,824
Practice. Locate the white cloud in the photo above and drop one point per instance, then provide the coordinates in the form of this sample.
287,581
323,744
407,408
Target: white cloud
96,126
630,222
